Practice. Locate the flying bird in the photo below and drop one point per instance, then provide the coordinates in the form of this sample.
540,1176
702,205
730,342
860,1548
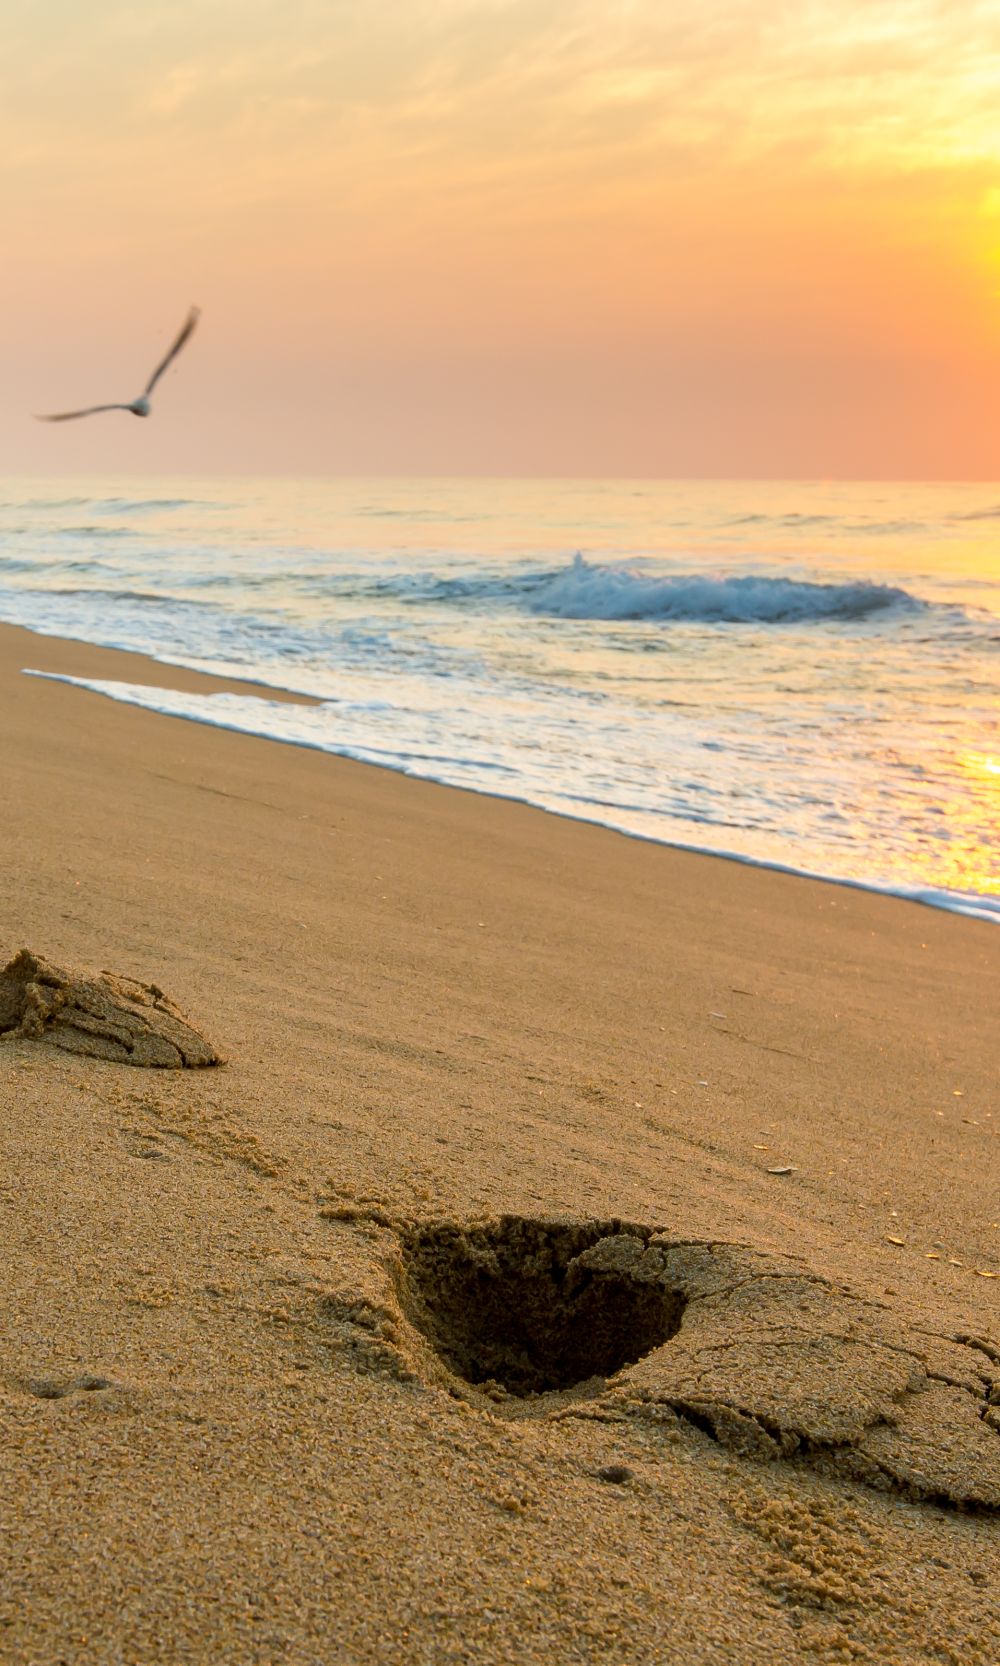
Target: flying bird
139,407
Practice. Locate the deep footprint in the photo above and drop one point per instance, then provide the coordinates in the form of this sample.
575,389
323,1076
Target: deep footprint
521,1306
531,1317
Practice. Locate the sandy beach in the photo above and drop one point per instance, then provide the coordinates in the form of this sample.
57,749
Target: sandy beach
263,1400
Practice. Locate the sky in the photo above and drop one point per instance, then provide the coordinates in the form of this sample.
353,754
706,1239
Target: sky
736,238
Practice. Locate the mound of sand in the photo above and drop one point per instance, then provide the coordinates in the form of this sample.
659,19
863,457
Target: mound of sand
99,1014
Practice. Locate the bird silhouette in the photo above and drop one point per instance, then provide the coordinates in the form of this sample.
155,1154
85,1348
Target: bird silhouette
138,407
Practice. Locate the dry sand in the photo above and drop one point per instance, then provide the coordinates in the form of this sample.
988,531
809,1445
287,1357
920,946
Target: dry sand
243,1302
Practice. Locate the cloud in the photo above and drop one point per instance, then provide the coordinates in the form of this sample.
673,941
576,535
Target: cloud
544,183
507,84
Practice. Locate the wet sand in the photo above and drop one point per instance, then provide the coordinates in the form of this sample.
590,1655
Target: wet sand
238,1421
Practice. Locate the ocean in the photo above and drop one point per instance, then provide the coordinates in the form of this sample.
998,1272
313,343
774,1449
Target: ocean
801,675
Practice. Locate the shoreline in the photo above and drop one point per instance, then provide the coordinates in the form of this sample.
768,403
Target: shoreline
968,905
227,1438
726,910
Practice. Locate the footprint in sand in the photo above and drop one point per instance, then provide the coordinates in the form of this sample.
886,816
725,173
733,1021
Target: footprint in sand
142,1145
50,1388
555,1319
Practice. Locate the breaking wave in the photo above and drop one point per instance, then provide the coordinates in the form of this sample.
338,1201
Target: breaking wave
584,591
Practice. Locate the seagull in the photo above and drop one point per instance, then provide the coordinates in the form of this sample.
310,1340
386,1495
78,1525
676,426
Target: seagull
139,407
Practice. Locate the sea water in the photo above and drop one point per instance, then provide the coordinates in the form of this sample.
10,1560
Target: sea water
801,675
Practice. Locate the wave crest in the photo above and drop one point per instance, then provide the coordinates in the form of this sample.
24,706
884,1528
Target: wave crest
584,591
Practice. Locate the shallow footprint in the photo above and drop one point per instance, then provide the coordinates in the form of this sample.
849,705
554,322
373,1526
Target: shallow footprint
51,1388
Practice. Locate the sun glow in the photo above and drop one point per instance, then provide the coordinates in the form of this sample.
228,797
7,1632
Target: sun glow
605,235
982,764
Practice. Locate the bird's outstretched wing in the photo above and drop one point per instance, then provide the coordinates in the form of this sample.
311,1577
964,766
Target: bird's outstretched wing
189,324
70,416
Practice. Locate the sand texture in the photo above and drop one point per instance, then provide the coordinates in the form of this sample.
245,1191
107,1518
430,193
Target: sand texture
586,1253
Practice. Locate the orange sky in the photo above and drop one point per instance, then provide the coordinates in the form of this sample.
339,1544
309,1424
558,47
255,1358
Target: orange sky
745,237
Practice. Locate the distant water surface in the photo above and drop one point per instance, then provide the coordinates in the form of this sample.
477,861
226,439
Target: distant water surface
802,675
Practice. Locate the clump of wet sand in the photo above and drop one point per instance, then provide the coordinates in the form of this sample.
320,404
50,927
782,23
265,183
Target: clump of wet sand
100,1014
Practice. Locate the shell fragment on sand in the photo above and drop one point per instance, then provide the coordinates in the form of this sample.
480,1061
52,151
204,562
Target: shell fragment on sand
98,1014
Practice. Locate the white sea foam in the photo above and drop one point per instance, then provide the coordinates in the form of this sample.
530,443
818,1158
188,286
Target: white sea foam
321,728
